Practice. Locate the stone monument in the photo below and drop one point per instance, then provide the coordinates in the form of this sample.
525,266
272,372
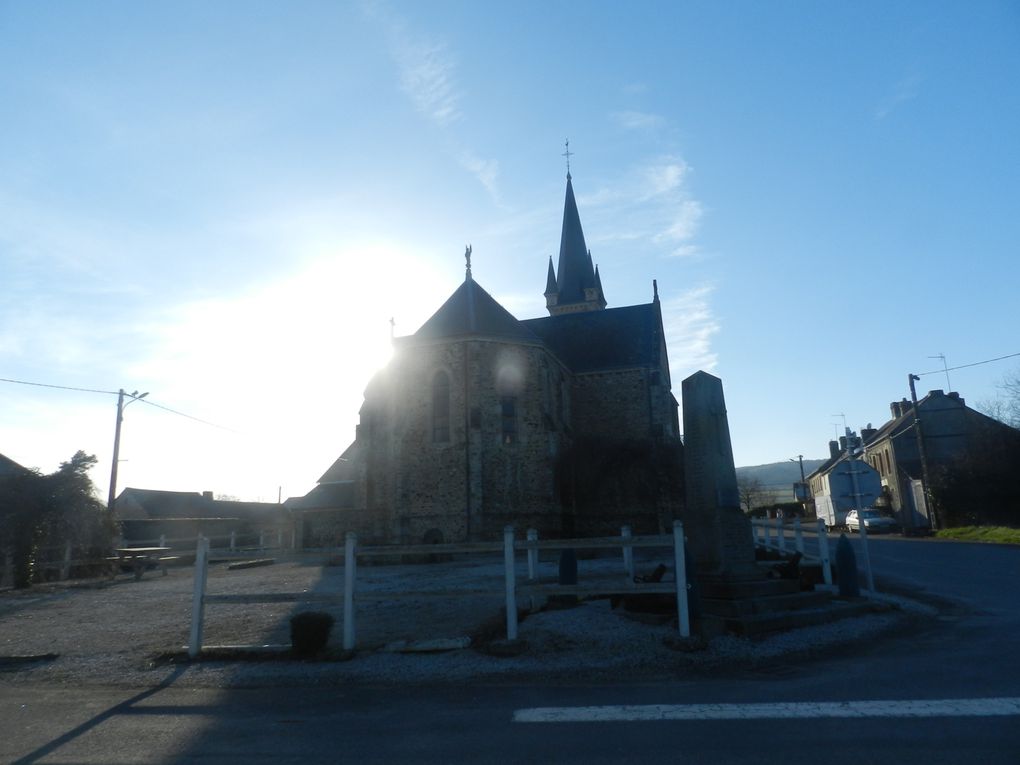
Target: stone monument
719,533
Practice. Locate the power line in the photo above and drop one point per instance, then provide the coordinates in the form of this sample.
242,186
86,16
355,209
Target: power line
964,366
115,393
59,387
190,417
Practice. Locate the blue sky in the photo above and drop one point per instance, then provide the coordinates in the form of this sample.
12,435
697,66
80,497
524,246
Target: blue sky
224,203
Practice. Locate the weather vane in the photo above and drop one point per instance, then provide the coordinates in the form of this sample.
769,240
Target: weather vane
568,154
467,258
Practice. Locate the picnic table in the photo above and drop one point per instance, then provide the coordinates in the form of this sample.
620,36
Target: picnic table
140,558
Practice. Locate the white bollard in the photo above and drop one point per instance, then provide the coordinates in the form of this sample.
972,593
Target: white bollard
780,535
799,535
680,561
628,554
823,552
532,555
508,572
198,596
866,556
162,540
350,572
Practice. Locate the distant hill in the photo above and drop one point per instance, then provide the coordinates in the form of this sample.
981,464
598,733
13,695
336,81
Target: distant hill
779,476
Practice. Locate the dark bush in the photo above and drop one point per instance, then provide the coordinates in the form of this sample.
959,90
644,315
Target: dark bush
309,633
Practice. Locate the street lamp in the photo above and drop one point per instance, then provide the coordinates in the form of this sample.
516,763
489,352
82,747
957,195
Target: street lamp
136,396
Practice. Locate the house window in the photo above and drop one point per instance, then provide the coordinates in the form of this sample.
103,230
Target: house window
441,408
508,410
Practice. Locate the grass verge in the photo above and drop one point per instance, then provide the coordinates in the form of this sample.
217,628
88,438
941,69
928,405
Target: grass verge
998,534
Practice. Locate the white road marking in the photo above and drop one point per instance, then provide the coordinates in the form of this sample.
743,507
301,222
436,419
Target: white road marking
994,707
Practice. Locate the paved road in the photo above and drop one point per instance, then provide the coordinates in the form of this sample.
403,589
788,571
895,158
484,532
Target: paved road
965,668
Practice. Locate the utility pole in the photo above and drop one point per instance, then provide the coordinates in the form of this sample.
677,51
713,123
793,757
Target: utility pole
116,443
925,483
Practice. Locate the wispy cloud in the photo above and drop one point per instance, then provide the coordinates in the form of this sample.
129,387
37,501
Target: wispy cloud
906,89
634,120
685,223
427,75
690,325
485,170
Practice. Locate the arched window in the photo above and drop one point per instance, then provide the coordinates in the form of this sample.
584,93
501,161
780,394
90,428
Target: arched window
441,408
508,411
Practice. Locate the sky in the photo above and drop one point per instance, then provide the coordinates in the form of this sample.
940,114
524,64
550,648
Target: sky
224,204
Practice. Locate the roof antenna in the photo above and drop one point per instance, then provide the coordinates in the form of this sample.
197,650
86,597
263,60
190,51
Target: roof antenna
467,259
568,154
655,290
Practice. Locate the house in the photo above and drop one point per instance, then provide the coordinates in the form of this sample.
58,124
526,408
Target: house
565,423
843,482
147,514
957,439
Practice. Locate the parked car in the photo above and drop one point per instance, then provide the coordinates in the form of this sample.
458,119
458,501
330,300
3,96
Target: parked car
874,521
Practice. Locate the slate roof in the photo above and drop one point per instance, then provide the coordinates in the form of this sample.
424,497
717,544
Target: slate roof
325,496
158,503
574,270
470,310
10,467
343,468
610,339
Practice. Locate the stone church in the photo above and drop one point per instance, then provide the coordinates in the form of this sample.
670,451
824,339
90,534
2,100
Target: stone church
564,423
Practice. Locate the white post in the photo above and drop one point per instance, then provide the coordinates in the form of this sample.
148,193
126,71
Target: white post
628,554
508,572
233,541
350,572
799,534
65,568
823,552
680,562
866,556
780,535
162,540
198,596
532,555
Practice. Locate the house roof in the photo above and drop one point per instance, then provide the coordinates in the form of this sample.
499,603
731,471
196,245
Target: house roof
615,338
325,496
343,468
470,310
159,503
10,467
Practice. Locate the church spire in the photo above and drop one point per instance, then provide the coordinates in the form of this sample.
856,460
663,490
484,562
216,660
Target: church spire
576,286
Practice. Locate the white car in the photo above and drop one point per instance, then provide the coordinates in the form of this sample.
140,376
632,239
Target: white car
874,521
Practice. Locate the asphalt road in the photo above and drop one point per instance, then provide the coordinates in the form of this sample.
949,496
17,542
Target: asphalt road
946,692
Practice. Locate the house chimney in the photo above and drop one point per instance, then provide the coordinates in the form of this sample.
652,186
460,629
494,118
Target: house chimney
894,410
867,432
207,495
842,444
833,449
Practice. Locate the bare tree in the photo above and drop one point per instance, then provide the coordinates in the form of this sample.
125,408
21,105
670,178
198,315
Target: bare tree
1006,406
753,493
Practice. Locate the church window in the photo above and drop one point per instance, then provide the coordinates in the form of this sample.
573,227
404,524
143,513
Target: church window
508,409
441,408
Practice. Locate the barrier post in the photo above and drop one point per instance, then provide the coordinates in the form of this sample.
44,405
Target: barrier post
628,554
532,555
65,566
198,596
680,562
350,572
508,572
162,540
823,552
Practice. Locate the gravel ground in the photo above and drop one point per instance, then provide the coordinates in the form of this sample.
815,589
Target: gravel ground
111,632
